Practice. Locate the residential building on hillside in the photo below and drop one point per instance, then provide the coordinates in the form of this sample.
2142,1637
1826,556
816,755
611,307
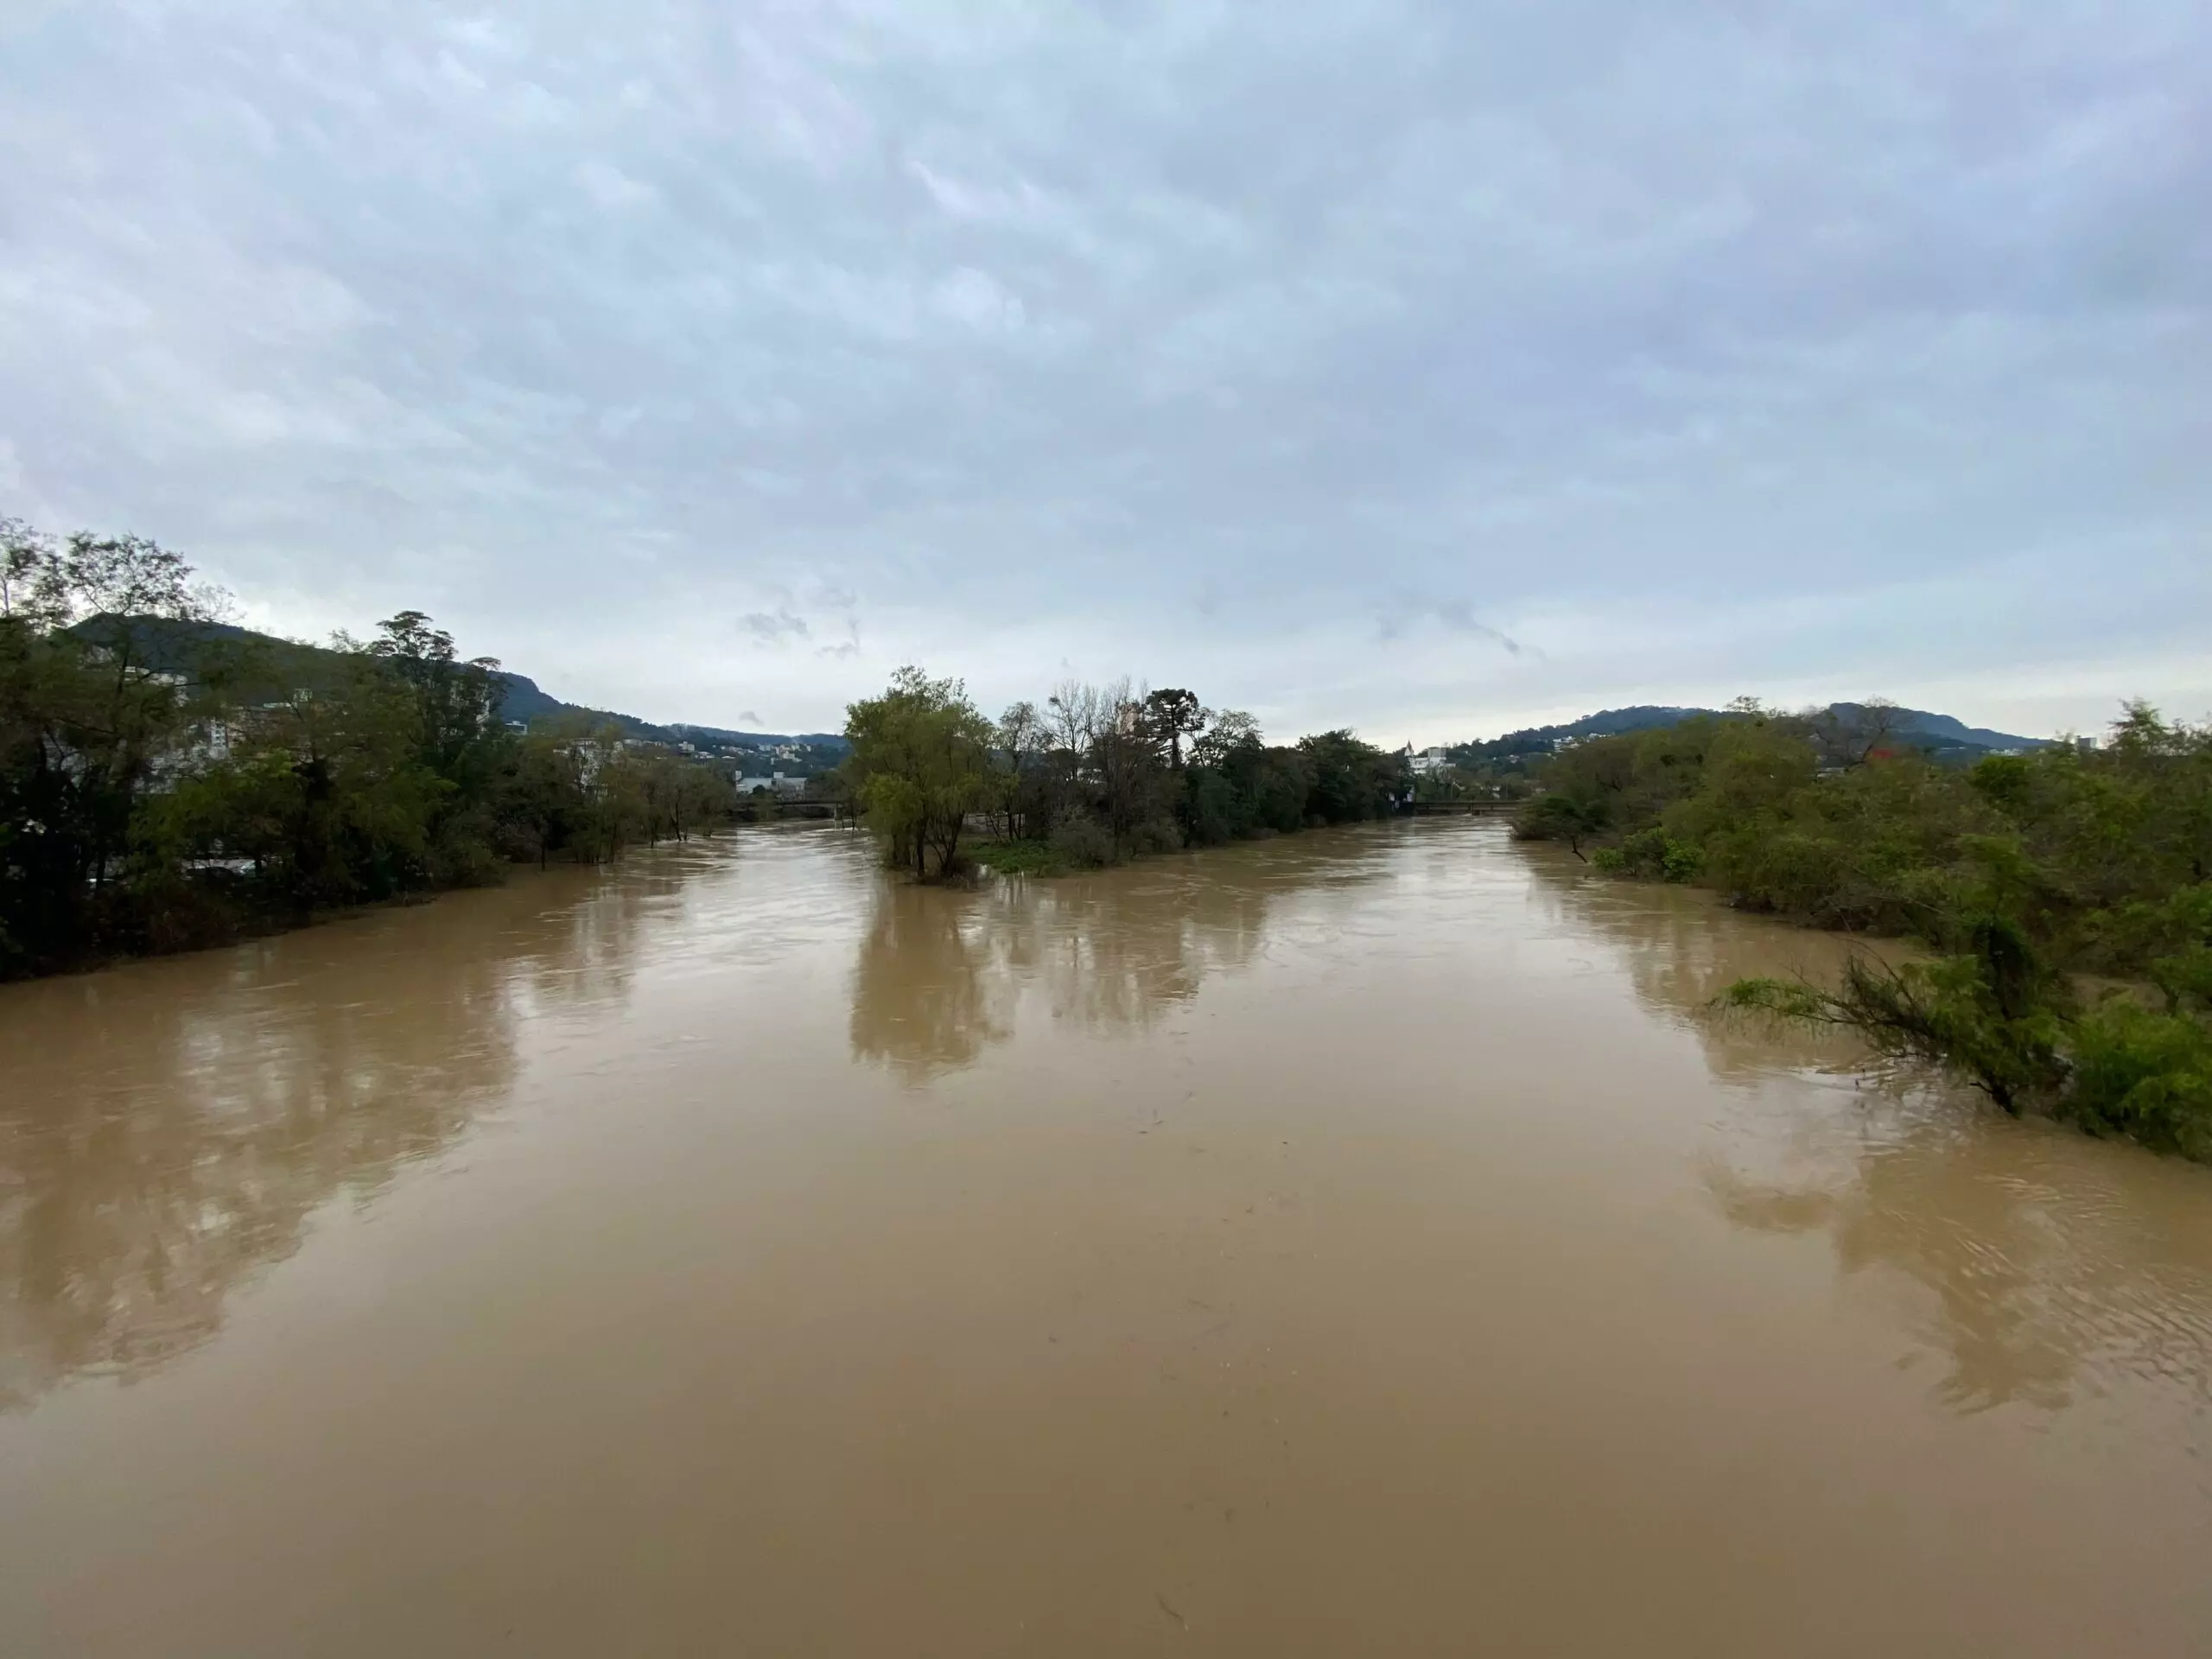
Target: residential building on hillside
774,783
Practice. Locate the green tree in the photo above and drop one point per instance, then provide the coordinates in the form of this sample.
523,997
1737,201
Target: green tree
1173,714
1024,747
1353,780
459,736
921,762
1991,1015
88,721
325,791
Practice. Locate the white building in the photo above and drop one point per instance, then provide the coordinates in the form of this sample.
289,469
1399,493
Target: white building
775,783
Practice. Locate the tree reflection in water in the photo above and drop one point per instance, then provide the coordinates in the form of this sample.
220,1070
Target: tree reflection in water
1681,949
2054,1262
941,972
177,1121
2053,1265
928,995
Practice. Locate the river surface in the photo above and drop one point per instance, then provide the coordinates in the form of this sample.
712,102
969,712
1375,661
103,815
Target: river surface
1360,1242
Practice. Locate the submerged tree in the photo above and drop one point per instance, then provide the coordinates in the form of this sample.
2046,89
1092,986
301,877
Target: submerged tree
1992,1014
921,763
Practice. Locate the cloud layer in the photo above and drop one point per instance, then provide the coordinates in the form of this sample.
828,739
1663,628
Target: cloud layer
1426,366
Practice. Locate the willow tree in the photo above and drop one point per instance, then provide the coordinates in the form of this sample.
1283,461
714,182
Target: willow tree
921,763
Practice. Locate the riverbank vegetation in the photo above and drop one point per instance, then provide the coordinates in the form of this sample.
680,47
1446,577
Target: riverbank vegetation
165,784
2063,894
1094,776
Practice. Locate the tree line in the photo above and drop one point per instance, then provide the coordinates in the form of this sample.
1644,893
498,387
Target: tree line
2063,896
1093,775
167,783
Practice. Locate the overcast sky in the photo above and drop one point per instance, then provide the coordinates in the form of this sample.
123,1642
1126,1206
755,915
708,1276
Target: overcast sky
1428,368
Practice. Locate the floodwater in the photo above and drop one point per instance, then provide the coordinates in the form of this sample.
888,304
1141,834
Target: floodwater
1355,1244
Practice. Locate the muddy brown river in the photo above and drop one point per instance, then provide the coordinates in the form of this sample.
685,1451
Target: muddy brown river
1360,1242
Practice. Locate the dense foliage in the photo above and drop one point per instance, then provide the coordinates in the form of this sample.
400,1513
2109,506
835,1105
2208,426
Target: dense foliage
1097,775
164,785
2032,879
921,764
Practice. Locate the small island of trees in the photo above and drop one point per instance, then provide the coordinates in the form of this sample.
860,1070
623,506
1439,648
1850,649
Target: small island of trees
1095,775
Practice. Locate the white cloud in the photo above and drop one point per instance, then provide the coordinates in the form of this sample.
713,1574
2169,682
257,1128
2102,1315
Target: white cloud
972,297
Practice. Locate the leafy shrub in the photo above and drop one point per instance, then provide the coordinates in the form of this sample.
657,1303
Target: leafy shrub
1019,857
1084,842
2142,1074
1155,836
1653,853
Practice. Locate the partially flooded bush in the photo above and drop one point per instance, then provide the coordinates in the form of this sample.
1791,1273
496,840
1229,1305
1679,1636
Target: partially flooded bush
1652,853
1082,842
2142,1074
1155,836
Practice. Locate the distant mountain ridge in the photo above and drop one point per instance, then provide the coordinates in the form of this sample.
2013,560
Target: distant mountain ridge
525,701
1920,722
1923,729
173,646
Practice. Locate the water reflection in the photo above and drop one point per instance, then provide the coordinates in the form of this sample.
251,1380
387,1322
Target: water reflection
940,971
1118,952
1680,949
2049,1270
167,1129
174,1124
925,983
2051,1264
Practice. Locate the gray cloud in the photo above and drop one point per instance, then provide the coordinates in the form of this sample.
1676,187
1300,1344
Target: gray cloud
1410,612
1830,349
773,627
851,645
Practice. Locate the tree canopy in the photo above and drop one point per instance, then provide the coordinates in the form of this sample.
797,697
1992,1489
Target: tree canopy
2034,882
166,783
1093,775
922,761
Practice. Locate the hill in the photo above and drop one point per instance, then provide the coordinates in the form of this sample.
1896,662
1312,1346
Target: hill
799,755
181,648
1949,731
1942,735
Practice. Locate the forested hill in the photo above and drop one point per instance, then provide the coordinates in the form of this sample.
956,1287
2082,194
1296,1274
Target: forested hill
526,702
1942,736
180,646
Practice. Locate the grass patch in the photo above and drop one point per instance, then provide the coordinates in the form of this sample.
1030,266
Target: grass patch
1018,857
